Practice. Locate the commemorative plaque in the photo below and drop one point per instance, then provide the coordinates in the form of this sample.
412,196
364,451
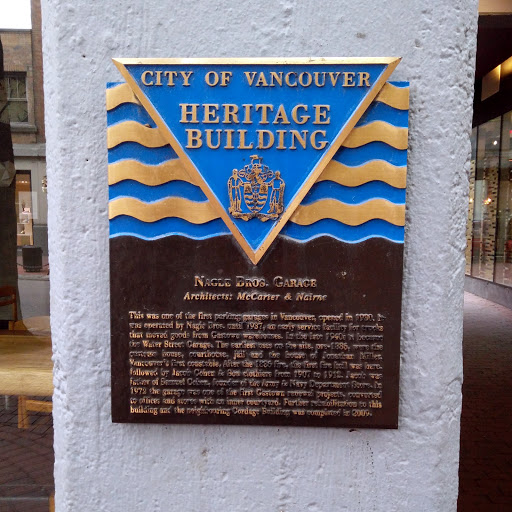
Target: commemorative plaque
257,212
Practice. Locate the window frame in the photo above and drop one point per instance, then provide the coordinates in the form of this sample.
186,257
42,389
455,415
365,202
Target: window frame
17,75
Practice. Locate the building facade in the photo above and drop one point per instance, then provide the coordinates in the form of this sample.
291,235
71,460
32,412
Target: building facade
24,85
489,228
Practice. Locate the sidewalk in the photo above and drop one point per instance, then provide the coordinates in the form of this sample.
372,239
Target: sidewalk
26,472
485,470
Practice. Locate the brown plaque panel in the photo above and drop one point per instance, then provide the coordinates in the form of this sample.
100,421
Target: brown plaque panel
308,337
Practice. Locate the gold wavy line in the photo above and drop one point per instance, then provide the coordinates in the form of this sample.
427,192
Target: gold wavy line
396,97
375,170
134,132
377,131
121,93
152,175
191,211
353,215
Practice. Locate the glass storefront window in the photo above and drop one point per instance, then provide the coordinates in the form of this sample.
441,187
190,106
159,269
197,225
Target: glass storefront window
469,225
486,200
26,431
503,271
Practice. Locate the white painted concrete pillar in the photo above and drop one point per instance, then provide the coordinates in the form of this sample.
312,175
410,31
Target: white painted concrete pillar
105,467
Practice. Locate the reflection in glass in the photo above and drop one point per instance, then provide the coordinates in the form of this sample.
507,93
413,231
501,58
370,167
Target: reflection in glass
26,431
486,199
503,271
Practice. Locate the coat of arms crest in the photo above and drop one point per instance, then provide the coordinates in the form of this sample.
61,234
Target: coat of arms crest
256,191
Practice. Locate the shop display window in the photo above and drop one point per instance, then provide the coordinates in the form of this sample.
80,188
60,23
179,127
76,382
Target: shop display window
485,200
469,224
503,270
489,226
24,209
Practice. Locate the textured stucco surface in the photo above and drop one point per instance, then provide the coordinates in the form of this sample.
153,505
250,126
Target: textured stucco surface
105,467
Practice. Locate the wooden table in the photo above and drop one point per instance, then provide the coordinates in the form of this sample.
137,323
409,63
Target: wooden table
25,364
26,369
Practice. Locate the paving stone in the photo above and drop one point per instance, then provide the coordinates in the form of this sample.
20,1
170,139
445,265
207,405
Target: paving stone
485,471
26,472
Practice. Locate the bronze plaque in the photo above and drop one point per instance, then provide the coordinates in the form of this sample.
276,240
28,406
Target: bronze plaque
256,241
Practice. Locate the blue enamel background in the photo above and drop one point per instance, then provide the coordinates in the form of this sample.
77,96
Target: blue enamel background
295,165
